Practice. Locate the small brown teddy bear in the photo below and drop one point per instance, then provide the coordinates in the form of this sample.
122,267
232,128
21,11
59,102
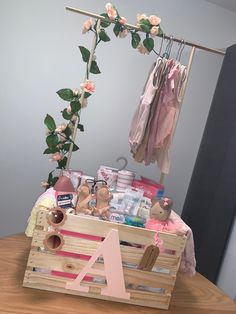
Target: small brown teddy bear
161,209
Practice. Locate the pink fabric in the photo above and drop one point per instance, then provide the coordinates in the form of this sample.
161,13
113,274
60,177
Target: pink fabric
162,122
140,119
173,225
161,154
69,275
155,119
80,235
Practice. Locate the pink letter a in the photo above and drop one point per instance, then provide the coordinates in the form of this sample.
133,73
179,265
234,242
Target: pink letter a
110,249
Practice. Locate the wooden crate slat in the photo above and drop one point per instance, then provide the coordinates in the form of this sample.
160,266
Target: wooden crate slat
129,254
173,241
131,276
44,260
52,283
101,228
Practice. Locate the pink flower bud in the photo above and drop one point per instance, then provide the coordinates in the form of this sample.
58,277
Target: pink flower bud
143,50
87,26
68,109
111,11
57,156
76,91
154,31
123,20
124,33
44,184
154,20
141,17
88,86
61,127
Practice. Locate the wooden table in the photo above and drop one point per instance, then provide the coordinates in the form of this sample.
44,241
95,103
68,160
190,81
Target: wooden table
191,295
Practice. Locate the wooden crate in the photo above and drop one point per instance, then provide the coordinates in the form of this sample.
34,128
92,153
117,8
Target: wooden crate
60,251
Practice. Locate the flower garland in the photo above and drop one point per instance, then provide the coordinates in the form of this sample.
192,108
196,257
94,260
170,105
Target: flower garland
59,138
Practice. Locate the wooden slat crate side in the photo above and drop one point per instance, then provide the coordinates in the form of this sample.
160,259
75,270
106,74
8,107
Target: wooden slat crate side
126,233
101,228
129,254
173,242
57,284
87,247
132,276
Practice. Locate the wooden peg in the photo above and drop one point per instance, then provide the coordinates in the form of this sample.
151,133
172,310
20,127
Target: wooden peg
149,258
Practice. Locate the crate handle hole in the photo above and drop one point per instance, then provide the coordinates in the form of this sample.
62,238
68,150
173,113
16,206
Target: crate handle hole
53,242
56,216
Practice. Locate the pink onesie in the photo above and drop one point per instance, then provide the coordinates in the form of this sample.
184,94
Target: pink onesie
139,121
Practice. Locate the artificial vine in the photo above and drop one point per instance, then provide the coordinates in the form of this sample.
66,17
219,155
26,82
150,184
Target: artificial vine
59,138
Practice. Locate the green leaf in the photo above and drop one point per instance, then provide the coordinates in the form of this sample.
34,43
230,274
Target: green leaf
148,43
87,95
54,180
103,36
55,149
50,177
50,123
66,115
66,94
81,127
94,68
85,53
145,22
47,151
66,147
51,150
75,106
62,163
105,23
145,28
52,141
67,131
75,148
135,40
117,28
145,25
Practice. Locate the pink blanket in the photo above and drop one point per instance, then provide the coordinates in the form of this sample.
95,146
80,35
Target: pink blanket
176,224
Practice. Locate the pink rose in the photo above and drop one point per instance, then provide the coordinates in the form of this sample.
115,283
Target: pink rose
123,20
68,109
124,33
76,91
88,86
154,31
154,20
87,26
141,17
62,138
143,50
57,156
61,127
111,11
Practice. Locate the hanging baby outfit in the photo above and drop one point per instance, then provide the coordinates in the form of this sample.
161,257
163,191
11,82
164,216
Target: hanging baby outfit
154,122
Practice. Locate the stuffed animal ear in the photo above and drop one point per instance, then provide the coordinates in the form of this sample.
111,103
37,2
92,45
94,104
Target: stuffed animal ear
154,200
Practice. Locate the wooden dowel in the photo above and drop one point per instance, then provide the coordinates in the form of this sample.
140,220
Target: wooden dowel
82,95
135,27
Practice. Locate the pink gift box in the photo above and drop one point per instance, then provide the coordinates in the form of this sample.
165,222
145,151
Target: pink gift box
149,187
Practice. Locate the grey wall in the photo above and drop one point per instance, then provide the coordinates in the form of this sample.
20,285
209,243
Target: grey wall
39,56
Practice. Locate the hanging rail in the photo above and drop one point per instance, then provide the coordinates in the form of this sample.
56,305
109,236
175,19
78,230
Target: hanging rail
130,26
